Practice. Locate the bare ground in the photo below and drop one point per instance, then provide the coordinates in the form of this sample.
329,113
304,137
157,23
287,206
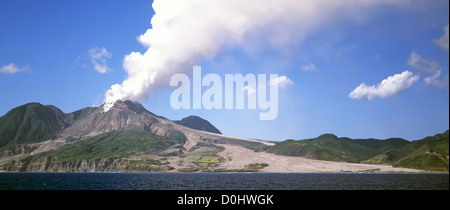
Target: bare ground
239,157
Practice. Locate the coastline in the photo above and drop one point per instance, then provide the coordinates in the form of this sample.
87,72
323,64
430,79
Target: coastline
237,160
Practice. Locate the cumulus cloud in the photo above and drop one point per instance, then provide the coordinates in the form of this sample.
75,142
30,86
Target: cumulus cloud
13,69
98,57
387,88
443,42
184,32
282,82
431,68
309,67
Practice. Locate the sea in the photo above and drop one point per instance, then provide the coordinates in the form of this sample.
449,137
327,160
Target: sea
222,181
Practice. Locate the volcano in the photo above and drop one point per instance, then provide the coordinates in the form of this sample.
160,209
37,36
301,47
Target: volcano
129,138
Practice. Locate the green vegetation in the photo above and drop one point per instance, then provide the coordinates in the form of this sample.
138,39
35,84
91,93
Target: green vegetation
178,136
330,147
30,123
113,144
203,155
206,161
257,166
431,153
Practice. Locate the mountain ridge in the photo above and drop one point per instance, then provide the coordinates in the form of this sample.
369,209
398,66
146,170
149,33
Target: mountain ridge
430,153
129,138
31,123
86,122
198,123
124,123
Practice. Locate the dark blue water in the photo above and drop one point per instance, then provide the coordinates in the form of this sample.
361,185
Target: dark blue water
221,181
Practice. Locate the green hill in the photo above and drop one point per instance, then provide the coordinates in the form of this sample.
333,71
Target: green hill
330,147
431,153
30,123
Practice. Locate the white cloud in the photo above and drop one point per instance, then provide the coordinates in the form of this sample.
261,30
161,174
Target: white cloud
184,32
309,67
441,84
443,42
99,57
425,66
80,61
431,68
282,82
13,69
387,88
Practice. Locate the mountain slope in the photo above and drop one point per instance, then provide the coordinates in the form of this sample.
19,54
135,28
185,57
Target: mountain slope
330,147
115,144
431,153
125,138
129,138
31,123
198,123
128,115
114,151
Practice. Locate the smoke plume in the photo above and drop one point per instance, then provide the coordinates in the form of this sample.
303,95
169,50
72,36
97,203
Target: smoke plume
184,32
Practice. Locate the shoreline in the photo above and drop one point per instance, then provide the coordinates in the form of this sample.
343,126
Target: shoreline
237,159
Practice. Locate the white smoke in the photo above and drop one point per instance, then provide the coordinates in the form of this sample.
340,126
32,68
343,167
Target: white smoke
186,31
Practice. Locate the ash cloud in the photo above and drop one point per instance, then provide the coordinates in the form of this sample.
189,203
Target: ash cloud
184,32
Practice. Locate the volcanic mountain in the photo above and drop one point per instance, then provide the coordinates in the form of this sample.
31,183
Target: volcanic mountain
45,130
33,122
129,138
129,115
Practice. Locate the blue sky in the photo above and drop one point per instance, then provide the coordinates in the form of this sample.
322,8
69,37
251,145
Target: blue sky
69,54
